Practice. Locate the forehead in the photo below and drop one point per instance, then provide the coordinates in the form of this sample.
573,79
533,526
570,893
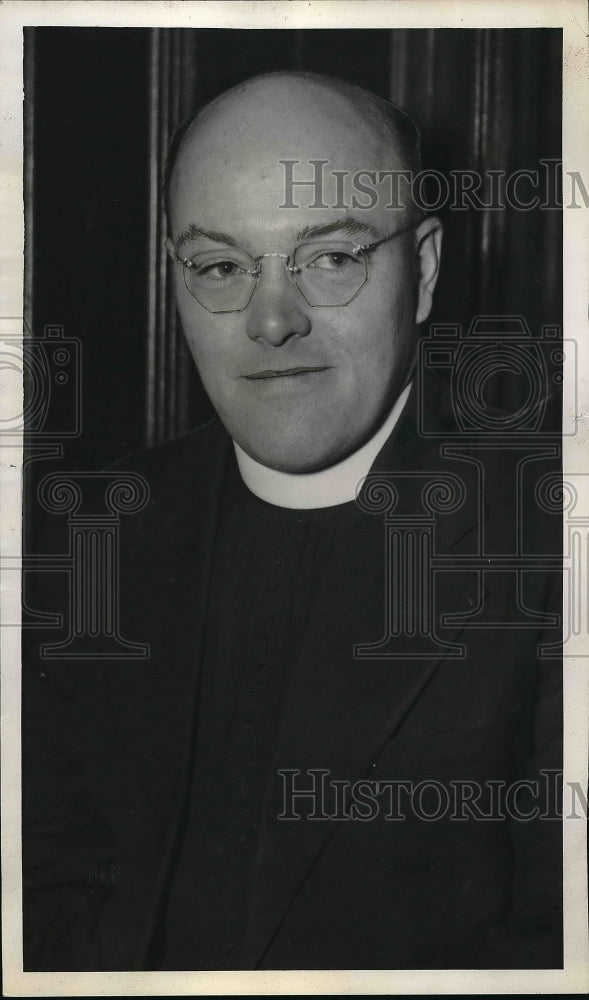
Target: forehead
266,164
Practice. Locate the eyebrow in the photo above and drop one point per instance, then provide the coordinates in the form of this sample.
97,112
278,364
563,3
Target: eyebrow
192,232
348,225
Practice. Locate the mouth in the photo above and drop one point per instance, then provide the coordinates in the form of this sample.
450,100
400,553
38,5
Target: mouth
284,372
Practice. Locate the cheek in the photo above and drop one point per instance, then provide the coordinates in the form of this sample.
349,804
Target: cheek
382,336
210,345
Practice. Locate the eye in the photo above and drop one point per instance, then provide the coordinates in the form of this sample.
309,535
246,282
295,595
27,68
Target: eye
220,270
333,260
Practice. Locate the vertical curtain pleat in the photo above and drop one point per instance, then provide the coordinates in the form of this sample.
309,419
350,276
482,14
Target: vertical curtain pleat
169,367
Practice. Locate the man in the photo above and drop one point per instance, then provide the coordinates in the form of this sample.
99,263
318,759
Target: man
260,585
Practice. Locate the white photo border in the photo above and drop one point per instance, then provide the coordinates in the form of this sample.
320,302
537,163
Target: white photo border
571,16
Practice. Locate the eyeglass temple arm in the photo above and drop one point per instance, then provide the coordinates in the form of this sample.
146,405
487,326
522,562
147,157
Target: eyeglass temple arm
367,247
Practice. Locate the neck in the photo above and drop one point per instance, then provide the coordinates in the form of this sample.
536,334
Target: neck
325,488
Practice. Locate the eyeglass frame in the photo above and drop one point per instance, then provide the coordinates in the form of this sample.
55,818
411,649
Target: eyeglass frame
357,248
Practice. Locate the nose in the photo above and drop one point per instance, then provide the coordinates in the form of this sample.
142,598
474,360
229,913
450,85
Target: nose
277,310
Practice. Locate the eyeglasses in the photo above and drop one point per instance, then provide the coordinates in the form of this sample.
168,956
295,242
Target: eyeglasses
326,272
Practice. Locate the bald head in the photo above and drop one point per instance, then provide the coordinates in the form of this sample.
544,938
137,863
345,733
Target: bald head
281,110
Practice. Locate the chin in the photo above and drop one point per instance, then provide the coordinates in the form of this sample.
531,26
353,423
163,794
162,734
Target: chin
282,461
295,459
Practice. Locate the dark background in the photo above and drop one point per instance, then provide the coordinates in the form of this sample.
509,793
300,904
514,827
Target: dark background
100,104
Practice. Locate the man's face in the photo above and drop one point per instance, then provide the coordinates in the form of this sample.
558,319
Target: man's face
230,183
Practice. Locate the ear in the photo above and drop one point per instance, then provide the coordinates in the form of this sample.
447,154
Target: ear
170,248
428,239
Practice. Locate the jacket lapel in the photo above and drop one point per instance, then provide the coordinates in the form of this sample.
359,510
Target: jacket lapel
165,571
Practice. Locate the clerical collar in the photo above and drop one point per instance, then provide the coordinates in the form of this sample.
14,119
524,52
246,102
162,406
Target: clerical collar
326,488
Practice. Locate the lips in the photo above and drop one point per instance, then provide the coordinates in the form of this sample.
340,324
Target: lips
285,372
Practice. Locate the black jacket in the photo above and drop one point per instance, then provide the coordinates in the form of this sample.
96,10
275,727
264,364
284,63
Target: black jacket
108,743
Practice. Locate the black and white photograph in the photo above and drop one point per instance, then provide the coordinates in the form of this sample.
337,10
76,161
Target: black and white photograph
296,689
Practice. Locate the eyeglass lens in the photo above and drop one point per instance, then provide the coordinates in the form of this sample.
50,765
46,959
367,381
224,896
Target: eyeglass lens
327,274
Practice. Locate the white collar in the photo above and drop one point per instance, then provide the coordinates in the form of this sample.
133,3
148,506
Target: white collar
326,488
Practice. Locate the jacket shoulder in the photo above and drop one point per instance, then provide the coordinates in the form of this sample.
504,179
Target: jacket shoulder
195,449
